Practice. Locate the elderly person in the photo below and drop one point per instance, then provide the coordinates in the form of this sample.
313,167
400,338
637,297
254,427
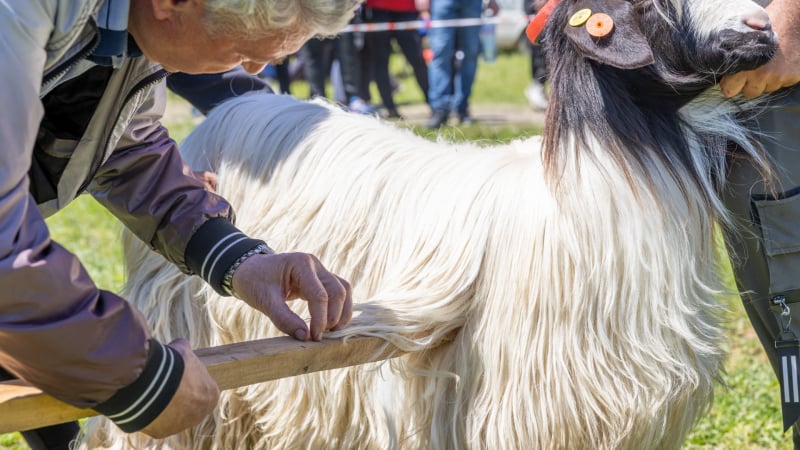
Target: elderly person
81,95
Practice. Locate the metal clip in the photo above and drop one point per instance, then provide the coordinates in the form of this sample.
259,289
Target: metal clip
786,313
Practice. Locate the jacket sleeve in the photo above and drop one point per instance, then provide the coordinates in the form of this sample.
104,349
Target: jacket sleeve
57,330
205,91
146,184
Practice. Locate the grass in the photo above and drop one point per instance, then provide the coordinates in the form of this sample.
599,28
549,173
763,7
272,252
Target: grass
746,413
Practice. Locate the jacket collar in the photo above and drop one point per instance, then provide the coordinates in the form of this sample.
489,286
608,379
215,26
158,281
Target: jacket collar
115,43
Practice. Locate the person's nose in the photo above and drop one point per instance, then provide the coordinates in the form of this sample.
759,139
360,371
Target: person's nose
252,67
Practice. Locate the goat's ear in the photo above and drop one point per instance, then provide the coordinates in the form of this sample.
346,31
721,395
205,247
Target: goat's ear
624,47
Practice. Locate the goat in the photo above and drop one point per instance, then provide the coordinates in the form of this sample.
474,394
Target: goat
579,267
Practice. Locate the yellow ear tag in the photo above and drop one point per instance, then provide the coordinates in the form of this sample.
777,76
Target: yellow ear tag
580,17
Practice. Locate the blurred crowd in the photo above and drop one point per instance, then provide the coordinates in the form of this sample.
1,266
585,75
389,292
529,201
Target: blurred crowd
443,60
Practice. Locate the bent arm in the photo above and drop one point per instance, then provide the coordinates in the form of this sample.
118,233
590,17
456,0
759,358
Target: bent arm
57,330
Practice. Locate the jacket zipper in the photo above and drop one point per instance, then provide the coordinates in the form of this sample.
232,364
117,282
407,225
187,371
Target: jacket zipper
143,84
62,68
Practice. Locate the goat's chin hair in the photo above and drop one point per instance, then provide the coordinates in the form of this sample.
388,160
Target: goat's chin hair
587,317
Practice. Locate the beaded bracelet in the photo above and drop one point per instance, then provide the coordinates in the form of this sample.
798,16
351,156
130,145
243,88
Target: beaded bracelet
227,280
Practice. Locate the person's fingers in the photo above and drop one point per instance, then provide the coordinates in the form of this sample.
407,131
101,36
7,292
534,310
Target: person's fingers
305,281
295,275
346,310
336,293
209,179
772,85
274,306
753,87
732,84
206,386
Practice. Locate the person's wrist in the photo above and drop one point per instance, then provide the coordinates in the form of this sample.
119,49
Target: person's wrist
227,279
136,405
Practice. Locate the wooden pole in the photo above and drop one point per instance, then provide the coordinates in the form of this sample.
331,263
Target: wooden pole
24,407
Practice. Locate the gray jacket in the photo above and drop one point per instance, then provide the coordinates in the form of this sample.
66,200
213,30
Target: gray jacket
69,126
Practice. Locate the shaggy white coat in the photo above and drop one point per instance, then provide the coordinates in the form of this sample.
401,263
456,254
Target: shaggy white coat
587,316
584,300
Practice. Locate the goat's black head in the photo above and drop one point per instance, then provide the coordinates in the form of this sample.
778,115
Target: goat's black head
677,46
625,89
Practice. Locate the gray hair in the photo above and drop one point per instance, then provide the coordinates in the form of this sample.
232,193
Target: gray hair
260,18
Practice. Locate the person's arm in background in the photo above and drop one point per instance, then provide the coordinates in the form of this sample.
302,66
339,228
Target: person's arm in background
424,8
205,91
783,70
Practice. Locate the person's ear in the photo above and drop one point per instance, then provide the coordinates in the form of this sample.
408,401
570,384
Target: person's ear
167,9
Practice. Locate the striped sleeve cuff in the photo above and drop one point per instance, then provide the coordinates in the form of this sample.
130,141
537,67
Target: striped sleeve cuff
136,405
214,247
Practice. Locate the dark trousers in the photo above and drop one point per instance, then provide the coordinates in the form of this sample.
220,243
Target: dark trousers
765,248
55,437
538,63
318,55
378,46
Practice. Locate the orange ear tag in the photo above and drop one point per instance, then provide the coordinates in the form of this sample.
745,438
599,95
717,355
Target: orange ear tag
600,25
580,17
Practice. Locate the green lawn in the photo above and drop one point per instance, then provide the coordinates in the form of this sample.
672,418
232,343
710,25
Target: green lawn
746,413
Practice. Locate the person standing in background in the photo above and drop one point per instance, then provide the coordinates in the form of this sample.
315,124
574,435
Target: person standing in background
535,91
378,46
450,88
318,58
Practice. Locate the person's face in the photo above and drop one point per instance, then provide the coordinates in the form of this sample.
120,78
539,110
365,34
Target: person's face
171,33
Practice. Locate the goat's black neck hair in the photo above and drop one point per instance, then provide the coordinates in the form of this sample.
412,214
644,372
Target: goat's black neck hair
633,114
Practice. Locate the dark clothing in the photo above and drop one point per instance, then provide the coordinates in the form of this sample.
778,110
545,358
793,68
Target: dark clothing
378,45
318,57
538,63
765,248
206,91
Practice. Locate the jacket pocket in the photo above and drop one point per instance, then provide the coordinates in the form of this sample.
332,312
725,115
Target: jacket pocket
779,219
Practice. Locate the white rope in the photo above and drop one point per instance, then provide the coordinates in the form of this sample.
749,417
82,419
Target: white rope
427,24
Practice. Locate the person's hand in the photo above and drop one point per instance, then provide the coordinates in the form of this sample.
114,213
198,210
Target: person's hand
783,69
196,397
209,180
266,282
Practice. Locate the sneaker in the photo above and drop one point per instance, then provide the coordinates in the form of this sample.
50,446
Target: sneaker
466,119
392,113
537,99
436,120
359,106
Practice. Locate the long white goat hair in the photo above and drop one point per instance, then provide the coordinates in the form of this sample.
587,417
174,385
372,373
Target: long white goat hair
586,313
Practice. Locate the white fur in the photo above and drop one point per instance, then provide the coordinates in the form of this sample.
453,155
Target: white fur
586,313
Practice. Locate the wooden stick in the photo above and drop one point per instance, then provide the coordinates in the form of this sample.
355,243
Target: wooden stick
24,407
